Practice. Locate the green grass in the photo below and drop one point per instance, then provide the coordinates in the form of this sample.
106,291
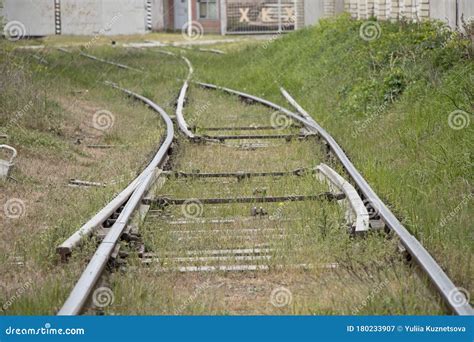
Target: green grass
386,102
46,109
305,238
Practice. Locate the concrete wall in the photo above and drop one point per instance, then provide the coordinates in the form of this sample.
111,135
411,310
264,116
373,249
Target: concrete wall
317,9
108,17
444,10
36,15
158,15
466,8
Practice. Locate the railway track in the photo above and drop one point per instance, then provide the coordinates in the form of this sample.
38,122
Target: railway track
245,188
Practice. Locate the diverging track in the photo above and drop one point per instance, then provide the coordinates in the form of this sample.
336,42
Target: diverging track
247,215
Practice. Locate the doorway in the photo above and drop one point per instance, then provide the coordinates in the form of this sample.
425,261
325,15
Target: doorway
180,13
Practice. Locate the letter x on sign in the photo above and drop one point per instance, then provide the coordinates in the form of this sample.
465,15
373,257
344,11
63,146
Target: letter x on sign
244,15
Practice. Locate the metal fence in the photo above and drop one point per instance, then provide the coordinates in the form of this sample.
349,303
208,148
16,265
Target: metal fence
261,16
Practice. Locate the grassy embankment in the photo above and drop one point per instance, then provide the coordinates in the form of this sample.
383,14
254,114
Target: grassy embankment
388,103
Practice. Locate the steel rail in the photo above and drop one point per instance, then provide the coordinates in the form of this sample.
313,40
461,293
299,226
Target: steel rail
183,126
83,288
101,60
214,51
75,240
65,249
362,218
118,65
449,292
267,103
438,277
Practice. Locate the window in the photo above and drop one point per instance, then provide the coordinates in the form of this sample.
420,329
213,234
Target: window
207,9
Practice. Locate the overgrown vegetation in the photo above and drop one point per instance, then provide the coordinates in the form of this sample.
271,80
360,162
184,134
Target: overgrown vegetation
389,103
51,105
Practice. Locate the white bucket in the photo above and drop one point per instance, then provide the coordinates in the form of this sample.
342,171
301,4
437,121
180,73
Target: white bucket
6,165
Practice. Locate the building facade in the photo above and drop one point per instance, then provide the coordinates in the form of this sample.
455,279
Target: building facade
120,17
